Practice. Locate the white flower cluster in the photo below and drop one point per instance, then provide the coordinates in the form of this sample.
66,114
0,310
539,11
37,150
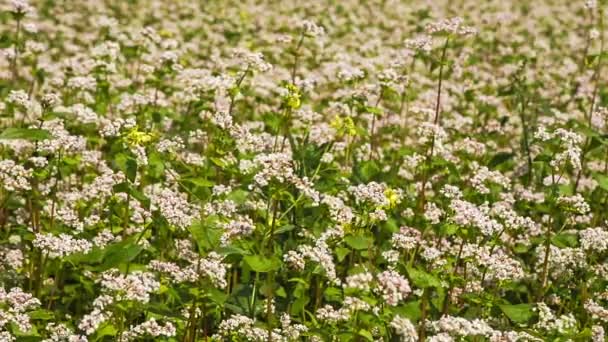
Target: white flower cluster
468,214
61,245
18,303
14,177
404,328
135,286
594,239
462,327
452,26
149,328
569,143
547,320
173,205
393,287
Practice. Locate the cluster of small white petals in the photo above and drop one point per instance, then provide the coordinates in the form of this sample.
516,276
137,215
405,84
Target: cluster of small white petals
404,328
61,245
468,214
360,281
482,175
393,287
594,239
136,286
14,177
451,26
61,333
251,60
240,227
549,322
406,238
173,205
149,328
18,303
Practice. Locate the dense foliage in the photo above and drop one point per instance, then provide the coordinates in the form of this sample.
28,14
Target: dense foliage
374,170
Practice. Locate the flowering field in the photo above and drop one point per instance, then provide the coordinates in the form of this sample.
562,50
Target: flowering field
320,170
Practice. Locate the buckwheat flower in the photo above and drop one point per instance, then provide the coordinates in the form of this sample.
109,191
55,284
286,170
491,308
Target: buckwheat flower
597,311
213,267
21,6
60,246
173,205
597,333
149,328
331,315
173,271
404,328
170,145
136,286
14,177
237,228
311,29
457,326
84,114
18,303
575,204
91,321
428,132
220,189
103,238
60,332
360,281
407,238
421,43
12,259
482,175
339,212
393,287
450,26
295,260
354,304
349,73
18,97
432,213
594,239
62,139
468,214
273,166
294,331
547,321
451,192
239,326
251,60
372,192
590,4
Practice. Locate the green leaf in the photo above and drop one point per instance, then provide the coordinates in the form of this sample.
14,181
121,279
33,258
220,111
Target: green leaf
106,330
565,240
41,314
422,279
518,313
601,180
358,242
368,335
26,133
262,264
127,165
201,182
156,167
500,158
206,234
121,253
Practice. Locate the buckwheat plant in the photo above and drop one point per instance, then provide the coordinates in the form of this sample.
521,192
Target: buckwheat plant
282,171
